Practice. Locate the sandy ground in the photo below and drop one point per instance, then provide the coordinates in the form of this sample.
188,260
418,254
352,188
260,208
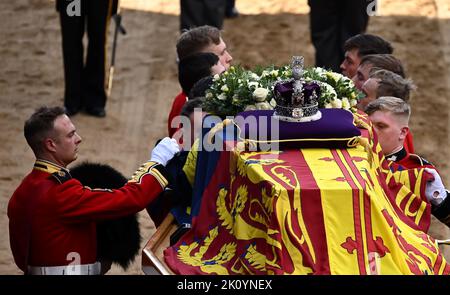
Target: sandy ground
145,83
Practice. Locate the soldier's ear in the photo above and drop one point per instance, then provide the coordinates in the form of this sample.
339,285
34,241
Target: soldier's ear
403,132
49,144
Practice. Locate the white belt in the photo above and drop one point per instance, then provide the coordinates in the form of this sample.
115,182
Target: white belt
83,269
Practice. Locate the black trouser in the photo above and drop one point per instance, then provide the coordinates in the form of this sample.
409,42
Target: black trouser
230,5
195,13
332,23
85,81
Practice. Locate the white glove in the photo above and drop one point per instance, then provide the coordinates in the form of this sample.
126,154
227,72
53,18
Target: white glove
164,151
435,190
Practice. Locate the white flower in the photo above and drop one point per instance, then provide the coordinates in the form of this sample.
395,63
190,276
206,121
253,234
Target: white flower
328,105
254,76
235,99
274,73
327,90
345,103
224,88
336,103
273,102
353,102
264,73
209,95
335,76
251,107
216,77
320,71
253,84
222,96
260,94
263,106
346,80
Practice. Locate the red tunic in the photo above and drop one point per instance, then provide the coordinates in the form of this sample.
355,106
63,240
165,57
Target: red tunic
50,217
177,105
408,160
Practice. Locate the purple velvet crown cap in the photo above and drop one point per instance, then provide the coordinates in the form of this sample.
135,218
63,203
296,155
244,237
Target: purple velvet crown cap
285,89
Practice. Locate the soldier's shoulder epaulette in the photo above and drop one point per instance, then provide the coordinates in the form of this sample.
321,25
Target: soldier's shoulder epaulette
157,170
420,160
61,176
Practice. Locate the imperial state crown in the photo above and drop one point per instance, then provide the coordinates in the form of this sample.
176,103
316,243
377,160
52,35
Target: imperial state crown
297,99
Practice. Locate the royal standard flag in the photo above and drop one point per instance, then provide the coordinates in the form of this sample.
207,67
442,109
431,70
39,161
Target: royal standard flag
307,211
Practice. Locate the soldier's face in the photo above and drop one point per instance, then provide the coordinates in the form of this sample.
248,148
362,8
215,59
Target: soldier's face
369,88
66,140
218,68
390,130
221,51
362,74
350,63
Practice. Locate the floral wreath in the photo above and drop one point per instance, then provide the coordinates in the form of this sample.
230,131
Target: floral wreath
238,90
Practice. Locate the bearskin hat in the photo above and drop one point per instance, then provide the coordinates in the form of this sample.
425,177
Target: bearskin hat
118,240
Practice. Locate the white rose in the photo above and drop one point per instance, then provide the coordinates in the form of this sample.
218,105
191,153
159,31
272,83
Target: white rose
251,107
345,103
216,77
336,103
274,73
224,88
328,105
209,95
263,106
353,102
264,73
222,96
260,94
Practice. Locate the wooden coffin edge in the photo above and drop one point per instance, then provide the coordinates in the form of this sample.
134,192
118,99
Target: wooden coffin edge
151,263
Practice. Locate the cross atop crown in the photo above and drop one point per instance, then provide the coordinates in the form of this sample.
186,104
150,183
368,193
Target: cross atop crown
297,65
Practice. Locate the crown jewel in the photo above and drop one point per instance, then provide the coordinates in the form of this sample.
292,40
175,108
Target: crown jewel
297,100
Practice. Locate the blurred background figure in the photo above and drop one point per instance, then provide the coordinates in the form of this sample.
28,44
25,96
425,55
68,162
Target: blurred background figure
85,81
195,13
332,22
230,9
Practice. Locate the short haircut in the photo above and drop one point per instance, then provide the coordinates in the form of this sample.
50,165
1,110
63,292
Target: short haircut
397,106
368,44
199,89
385,62
391,84
40,125
190,105
196,40
194,67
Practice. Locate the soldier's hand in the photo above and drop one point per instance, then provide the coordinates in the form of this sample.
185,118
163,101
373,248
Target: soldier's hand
435,190
165,150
